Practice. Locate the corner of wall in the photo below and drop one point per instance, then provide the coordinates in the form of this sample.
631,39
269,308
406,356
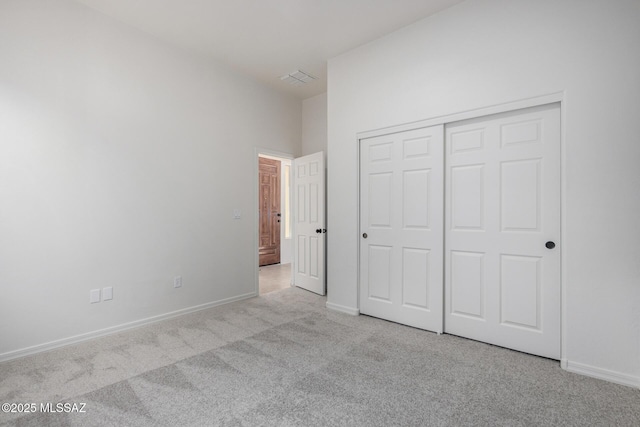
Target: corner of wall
343,309
600,373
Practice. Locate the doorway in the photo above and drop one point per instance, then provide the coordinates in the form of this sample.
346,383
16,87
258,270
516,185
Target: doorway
274,223
269,211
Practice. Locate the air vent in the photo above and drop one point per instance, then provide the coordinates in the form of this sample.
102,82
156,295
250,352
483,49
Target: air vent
297,78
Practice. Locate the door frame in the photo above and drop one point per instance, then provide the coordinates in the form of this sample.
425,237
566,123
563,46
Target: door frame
557,97
263,152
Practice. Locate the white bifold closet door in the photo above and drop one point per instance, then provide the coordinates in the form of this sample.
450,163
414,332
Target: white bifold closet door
460,229
401,185
502,261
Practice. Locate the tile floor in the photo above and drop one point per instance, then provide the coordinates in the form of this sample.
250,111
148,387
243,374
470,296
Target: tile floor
274,277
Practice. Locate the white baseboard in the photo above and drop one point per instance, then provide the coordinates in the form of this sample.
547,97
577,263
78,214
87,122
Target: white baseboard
601,374
15,354
343,309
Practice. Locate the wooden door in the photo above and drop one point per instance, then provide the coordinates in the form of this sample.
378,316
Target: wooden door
502,256
310,231
401,227
269,207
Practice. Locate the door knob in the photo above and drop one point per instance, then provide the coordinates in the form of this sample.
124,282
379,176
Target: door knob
365,235
550,245
321,230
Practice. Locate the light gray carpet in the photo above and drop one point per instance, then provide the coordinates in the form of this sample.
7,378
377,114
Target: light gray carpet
283,359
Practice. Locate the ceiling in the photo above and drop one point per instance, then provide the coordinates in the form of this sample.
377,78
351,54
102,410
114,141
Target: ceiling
270,38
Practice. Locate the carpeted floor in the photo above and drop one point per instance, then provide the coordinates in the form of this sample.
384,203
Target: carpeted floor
284,359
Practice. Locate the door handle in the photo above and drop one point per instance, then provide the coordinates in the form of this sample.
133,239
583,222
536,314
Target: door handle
365,235
321,230
550,245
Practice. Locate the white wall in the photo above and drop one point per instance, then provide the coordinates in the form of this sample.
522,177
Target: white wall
486,52
314,124
121,161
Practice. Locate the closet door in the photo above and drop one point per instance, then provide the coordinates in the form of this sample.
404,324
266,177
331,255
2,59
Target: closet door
502,248
401,227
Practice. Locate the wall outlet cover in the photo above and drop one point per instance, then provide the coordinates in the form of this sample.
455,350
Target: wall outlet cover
94,296
107,293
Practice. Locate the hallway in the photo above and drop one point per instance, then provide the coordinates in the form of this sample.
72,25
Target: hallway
274,278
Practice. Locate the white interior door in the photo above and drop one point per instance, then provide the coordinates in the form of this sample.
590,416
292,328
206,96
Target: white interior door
309,223
502,213
401,227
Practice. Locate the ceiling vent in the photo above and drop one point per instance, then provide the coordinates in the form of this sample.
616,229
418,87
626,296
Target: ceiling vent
297,78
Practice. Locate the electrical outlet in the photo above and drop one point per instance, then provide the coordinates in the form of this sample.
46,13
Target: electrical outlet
94,296
107,293
177,282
